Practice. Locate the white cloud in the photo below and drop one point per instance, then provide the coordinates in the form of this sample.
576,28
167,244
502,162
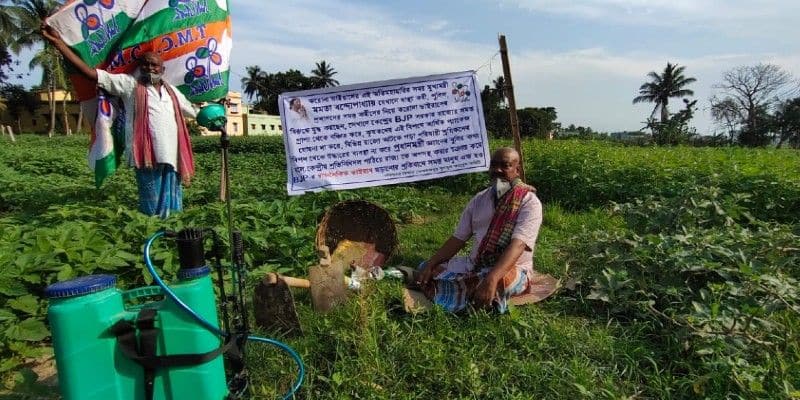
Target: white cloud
362,44
591,86
735,17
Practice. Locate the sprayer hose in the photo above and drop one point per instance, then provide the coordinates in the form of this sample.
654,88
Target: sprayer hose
169,293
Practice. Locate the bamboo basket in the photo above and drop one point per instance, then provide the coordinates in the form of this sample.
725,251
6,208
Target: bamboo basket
357,221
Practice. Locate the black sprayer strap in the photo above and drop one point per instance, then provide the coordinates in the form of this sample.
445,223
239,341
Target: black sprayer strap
148,336
126,338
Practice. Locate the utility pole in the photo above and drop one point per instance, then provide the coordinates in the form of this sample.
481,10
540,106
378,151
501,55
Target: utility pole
508,89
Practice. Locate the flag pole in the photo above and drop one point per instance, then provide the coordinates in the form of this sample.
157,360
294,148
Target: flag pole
508,89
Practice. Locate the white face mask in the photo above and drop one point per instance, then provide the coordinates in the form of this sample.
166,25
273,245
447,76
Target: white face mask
151,78
501,187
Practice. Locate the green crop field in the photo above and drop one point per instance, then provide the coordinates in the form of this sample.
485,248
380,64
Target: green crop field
679,270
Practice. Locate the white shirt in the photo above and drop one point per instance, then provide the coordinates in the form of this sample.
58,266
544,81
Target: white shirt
477,216
162,122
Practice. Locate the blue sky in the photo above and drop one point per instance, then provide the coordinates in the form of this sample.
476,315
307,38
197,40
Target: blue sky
587,58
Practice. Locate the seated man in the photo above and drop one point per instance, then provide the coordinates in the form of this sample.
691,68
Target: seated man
504,220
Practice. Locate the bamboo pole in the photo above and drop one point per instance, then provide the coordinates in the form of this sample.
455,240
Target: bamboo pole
508,90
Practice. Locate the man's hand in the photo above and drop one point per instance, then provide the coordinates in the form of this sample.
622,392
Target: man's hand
428,273
433,266
486,292
50,34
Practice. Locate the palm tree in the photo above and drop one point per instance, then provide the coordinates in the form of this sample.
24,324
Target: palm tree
54,74
670,83
499,90
27,16
322,75
253,83
7,23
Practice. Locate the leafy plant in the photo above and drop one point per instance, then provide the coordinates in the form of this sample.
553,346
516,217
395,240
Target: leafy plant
698,268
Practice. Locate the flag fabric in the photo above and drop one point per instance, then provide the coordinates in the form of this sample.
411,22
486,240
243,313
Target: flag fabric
193,37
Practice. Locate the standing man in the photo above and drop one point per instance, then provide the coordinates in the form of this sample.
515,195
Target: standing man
504,220
157,141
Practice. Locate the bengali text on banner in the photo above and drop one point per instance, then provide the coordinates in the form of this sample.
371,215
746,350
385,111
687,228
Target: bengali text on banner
382,133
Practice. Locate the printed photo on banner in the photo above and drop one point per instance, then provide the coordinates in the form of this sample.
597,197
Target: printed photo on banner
298,113
382,133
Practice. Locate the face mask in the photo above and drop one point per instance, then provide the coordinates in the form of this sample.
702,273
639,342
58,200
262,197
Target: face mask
151,78
501,187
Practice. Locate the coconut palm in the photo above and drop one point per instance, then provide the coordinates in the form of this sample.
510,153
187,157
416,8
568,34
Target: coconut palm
27,17
254,81
5,61
7,22
322,75
670,83
54,75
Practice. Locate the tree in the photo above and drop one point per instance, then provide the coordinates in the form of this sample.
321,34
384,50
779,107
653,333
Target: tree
727,114
17,100
266,87
670,83
495,112
252,83
26,17
322,76
5,61
537,122
751,93
280,82
787,122
55,75
675,130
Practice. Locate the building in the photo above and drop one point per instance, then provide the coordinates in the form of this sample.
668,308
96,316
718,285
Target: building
263,124
39,120
243,123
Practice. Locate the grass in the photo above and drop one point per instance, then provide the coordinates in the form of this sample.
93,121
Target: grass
565,347
371,349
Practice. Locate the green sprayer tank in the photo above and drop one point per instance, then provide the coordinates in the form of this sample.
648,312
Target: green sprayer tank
90,363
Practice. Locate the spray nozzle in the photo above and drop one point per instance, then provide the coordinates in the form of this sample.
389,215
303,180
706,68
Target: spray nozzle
190,248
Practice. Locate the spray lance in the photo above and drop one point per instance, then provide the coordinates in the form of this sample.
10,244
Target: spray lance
190,252
213,117
235,331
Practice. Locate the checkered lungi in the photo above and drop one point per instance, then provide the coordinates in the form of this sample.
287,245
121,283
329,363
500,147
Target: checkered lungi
453,287
160,190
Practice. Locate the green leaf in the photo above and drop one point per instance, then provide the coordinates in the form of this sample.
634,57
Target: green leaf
338,379
9,363
12,288
127,256
27,350
6,315
31,330
66,273
28,304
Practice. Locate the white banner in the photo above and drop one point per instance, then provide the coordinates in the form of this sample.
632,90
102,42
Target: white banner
383,133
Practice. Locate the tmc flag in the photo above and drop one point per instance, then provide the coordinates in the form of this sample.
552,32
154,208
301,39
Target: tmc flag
193,37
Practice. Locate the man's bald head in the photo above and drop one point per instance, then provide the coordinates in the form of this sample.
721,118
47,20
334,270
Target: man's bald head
505,151
504,164
151,56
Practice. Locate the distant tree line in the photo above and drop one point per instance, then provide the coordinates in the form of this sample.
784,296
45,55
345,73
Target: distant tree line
533,121
755,105
263,88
